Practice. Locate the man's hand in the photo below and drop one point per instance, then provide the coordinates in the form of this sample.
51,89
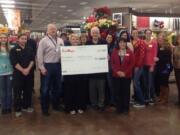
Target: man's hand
43,71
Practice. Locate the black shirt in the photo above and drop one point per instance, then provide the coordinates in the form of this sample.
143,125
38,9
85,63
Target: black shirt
32,44
21,56
164,64
100,41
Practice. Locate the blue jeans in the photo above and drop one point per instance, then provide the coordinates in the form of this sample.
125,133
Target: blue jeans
148,78
139,97
51,85
6,91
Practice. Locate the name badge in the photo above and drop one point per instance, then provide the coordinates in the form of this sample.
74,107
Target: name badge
150,46
57,50
161,49
18,50
127,54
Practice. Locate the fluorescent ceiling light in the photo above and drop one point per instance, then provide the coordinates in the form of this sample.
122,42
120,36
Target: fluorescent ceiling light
8,6
7,1
62,6
69,10
83,3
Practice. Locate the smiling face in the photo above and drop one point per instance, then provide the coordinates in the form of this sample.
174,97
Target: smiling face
160,39
3,39
109,39
52,30
124,35
74,40
22,40
148,34
83,38
95,33
135,34
122,45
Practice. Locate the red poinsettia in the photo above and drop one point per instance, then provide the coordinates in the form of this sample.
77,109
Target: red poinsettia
101,12
90,19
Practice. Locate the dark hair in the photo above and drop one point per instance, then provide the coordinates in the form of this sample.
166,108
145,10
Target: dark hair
113,39
134,29
148,30
21,34
63,34
120,40
128,38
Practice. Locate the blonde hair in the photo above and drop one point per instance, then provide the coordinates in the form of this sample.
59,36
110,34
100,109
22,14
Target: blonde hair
7,43
73,35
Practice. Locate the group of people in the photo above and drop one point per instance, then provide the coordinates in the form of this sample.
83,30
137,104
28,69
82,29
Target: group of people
145,63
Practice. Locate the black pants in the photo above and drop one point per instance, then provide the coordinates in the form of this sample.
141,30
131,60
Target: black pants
122,93
75,93
177,75
23,87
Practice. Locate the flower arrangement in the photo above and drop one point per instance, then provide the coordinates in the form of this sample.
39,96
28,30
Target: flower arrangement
100,18
101,23
4,30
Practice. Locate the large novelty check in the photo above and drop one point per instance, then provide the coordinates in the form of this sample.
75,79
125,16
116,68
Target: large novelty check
87,59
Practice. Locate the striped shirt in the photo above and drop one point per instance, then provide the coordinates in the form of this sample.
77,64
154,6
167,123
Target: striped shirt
48,51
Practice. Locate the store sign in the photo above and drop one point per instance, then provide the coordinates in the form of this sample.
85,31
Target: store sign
87,59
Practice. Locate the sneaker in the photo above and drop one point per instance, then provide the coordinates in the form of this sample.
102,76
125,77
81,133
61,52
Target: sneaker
73,112
18,114
132,101
139,106
29,110
80,111
151,102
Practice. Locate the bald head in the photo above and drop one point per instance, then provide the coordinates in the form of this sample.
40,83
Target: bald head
52,30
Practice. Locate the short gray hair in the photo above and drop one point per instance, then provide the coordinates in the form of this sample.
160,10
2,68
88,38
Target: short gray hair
51,25
95,29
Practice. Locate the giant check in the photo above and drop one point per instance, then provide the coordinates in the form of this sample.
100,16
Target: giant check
87,59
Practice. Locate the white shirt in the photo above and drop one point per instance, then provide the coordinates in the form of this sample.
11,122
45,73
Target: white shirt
48,51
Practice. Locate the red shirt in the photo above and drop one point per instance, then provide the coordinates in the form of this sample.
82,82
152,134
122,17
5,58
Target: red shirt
151,53
139,53
126,66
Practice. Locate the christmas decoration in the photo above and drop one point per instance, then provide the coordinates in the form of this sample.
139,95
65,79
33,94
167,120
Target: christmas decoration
158,24
100,19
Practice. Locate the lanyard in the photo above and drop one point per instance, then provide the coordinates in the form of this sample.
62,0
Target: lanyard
55,44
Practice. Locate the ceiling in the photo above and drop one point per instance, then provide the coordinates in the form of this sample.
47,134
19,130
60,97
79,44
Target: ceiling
63,12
